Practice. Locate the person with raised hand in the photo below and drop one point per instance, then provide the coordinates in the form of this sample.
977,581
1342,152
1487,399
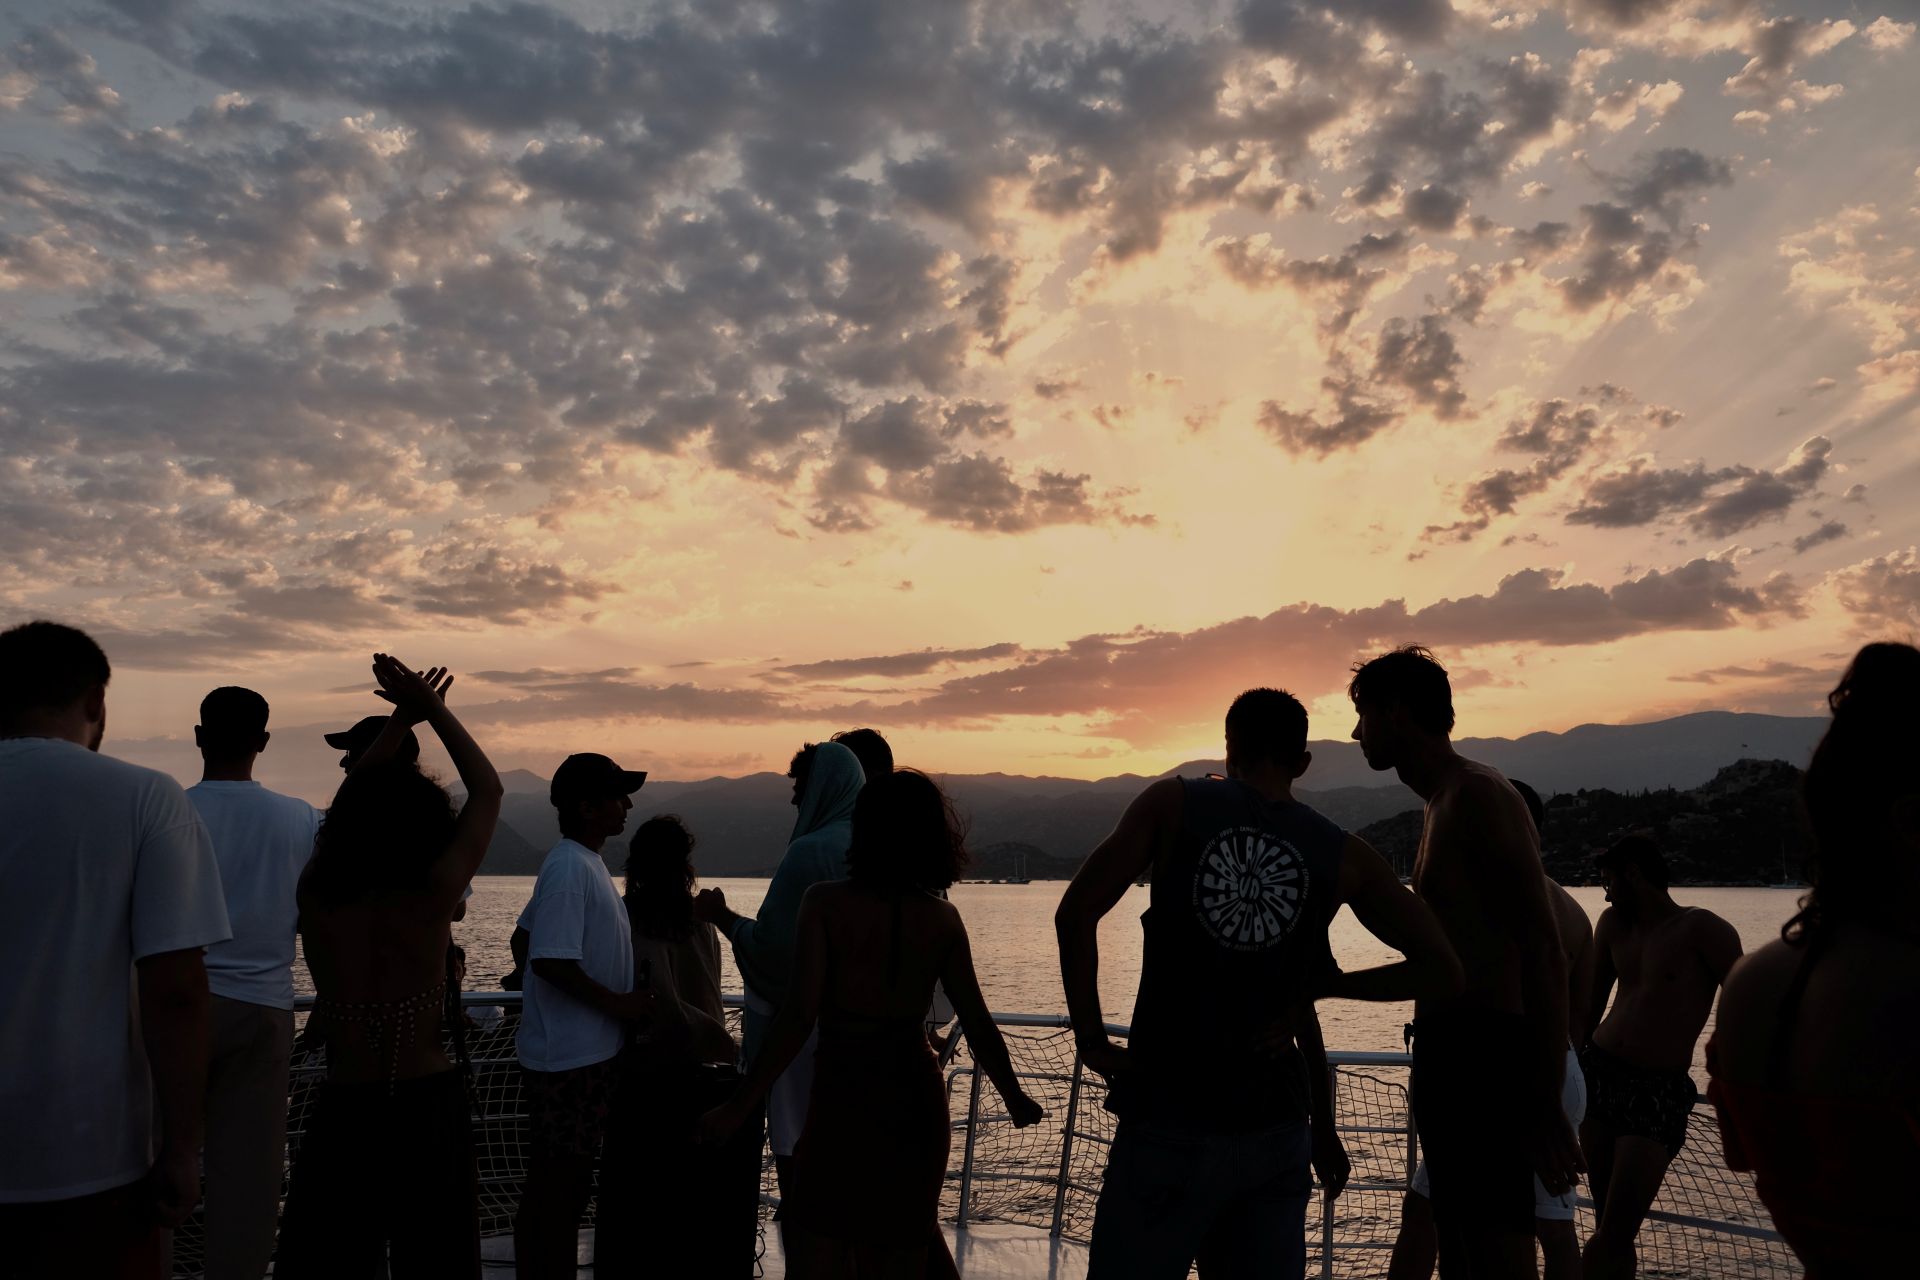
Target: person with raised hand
385,1174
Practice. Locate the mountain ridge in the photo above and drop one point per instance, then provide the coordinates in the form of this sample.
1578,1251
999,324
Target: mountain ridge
742,824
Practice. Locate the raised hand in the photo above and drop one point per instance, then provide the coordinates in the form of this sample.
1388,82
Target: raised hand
414,694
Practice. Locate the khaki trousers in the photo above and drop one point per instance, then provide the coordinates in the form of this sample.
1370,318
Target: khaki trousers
249,1047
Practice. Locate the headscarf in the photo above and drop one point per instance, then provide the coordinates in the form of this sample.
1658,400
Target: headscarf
817,851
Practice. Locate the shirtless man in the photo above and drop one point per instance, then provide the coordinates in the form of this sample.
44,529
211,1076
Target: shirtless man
1670,961
1489,1064
1413,1249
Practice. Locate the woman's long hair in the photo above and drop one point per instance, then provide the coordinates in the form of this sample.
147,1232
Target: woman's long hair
388,824
660,879
906,834
1866,766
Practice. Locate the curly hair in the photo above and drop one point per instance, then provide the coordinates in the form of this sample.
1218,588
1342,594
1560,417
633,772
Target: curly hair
906,834
1862,770
386,827
660,879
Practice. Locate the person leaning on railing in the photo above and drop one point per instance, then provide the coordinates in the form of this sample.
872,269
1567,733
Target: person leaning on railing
1815,1056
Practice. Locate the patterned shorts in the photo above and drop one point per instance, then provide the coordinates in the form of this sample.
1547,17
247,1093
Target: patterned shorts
567,1110
1636,1102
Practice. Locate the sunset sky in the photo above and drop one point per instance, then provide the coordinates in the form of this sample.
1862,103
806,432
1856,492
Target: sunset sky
1023,378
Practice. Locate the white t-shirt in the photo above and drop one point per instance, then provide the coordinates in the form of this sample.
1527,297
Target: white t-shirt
262,841
575,914
102,863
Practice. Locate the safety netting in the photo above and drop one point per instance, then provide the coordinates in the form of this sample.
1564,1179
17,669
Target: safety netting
1706,1222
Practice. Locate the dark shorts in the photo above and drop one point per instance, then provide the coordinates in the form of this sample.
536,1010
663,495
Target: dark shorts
567,1110
1470,1095
1235,1203
384,1168
1629,1101
674,1207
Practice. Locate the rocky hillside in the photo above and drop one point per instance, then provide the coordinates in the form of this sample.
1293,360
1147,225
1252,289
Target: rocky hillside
1743,826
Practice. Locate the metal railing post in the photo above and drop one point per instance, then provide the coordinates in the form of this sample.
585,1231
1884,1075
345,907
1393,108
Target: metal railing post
966,1163
1066,1145
1326,1203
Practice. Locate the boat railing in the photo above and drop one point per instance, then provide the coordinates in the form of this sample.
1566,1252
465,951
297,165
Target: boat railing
1707,1222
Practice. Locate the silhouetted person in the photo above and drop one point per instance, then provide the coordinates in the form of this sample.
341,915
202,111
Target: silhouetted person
863,1193
385,1172
826,780
576,1003
671,1206
1211,1157
106,874
1489,1063
1670,961
1816,1051
871,748
1415,1249
262,841
355,739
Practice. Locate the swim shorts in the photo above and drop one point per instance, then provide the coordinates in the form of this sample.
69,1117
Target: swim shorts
1638,1102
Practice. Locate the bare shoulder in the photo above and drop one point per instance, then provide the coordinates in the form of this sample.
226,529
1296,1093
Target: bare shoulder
1571,916
1478,788
1706,927
827,894
1607,925
1760,978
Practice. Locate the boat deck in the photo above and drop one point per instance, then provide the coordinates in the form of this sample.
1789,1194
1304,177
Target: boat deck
982,1251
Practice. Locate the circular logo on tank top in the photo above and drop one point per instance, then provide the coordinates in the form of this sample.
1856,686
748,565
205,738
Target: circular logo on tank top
1248,887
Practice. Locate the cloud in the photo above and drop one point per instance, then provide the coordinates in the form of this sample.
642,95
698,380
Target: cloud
1665,180
1145,682
1830,531
1557,432
1883,593
1781,44
1421,358
1350,418
1769,670
1716,503
895,664
1887,36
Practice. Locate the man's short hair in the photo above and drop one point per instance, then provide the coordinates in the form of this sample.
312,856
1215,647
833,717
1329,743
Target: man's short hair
871,748
1638,850
1267,724
48,666
1408,677
232,719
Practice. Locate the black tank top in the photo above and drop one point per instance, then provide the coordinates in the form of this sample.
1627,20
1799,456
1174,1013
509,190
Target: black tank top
1236,933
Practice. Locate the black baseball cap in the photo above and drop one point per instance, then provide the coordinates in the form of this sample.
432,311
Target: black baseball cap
589,775
362,735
